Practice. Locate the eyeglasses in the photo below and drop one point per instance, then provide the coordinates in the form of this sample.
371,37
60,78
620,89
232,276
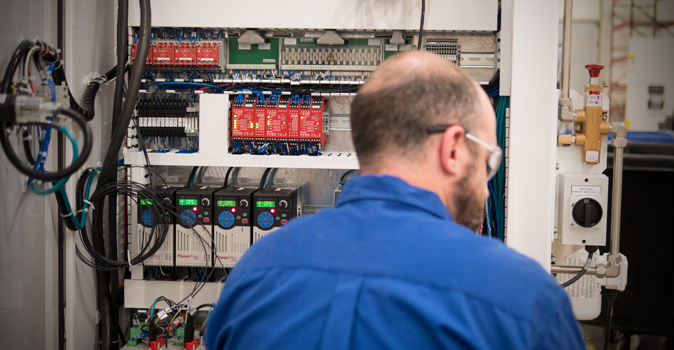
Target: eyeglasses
495,153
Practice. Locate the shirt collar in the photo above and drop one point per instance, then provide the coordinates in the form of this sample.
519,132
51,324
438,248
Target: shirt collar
390,188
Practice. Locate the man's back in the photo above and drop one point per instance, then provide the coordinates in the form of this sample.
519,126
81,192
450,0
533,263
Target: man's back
388,269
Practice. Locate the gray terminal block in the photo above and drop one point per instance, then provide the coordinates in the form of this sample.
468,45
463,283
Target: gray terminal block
582,209
194,226
148,219
232,225
273,208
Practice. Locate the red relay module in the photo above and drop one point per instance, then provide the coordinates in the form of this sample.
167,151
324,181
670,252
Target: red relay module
293,119
208,54
186,54
134,51
260,119
311,127
242,119
163,54
276,114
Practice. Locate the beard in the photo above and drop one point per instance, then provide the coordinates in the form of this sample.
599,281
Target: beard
468,206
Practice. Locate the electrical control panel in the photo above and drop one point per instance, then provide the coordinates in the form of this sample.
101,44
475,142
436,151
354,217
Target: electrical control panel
281,99
273,208
194,226
582,205
232,228
148,221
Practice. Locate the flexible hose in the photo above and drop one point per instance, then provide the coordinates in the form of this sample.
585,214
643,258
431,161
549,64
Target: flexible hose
580,273
122,43
52,176
122,24
109,169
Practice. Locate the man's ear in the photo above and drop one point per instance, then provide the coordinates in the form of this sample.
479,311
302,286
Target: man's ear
450,149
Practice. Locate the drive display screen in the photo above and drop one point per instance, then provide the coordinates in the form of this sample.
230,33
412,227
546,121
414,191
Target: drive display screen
226,203
187,202
265,204
145,202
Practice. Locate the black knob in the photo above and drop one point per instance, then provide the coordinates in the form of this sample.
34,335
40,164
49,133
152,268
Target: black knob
205,202
587,212
243,203
283,204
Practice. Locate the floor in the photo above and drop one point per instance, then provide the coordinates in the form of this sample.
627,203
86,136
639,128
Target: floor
594,337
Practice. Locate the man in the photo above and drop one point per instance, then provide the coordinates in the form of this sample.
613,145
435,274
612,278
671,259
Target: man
397,263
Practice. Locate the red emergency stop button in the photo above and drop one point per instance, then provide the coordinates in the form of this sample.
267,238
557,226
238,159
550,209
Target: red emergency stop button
594,69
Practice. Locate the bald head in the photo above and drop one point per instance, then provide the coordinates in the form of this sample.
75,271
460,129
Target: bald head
409,65
407,93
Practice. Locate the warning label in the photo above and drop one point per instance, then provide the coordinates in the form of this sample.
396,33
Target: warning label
586,190
331,57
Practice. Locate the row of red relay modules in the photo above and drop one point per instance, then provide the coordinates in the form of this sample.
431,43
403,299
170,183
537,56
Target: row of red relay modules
294,118
166,53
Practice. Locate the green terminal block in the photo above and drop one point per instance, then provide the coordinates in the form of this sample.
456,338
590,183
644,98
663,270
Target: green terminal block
180,332
135,332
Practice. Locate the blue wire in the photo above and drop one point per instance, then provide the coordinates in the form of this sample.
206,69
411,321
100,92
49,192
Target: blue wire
61,182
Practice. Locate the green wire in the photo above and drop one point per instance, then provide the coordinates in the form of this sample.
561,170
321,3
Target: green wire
80,224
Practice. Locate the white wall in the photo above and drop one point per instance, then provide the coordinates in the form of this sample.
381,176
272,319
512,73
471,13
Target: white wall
28,255
652,65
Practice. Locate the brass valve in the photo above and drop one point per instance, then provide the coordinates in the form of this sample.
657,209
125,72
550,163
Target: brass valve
591,122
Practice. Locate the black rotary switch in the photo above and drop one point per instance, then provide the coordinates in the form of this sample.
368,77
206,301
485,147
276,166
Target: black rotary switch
587,212
243,203
283,204
205,202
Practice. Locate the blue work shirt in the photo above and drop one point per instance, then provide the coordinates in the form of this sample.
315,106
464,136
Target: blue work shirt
388,269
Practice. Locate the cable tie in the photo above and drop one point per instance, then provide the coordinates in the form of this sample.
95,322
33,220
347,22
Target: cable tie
65,215
128,257
90,204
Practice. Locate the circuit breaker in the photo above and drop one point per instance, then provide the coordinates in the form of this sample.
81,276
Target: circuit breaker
582,209
194,226
273,208
232,227
147,220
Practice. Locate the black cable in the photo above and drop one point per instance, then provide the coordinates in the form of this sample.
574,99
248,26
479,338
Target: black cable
263,179
110,165
122,44
421,25
200,175
202,306
19,53
86,109
611,294
342,180
190,179
590,251
227,176
26,147
57,175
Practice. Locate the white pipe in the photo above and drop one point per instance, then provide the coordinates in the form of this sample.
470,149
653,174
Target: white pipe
566,49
